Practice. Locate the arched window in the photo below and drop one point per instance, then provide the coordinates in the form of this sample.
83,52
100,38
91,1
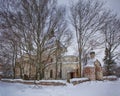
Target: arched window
51,60
51,73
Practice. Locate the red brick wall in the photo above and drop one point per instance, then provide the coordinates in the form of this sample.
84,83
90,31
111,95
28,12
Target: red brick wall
89,72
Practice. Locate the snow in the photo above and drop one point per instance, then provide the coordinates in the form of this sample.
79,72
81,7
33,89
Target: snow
109,77
93,88
13,79
90,65
60,81
37,81
100,54
78,79
91,62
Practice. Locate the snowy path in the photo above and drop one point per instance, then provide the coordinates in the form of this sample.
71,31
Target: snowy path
98,88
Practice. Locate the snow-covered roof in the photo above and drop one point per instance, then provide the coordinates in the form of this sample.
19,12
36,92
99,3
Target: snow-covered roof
91,51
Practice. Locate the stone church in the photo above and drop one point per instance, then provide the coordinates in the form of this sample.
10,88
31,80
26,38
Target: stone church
67,67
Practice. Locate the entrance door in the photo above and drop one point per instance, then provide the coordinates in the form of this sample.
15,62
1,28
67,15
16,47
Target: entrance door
71,74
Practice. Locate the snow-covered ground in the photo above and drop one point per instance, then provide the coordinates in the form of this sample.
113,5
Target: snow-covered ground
93,88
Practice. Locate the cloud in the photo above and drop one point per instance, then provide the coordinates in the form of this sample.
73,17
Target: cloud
114,5
110,4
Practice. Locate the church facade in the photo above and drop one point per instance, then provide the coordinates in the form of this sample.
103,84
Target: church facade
65,68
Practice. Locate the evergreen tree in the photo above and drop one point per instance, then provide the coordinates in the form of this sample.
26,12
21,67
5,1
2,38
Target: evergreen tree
109,62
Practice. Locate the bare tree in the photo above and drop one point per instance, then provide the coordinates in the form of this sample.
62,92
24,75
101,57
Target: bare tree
10,45
38,24
9,36
111,33
5,57
87,18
